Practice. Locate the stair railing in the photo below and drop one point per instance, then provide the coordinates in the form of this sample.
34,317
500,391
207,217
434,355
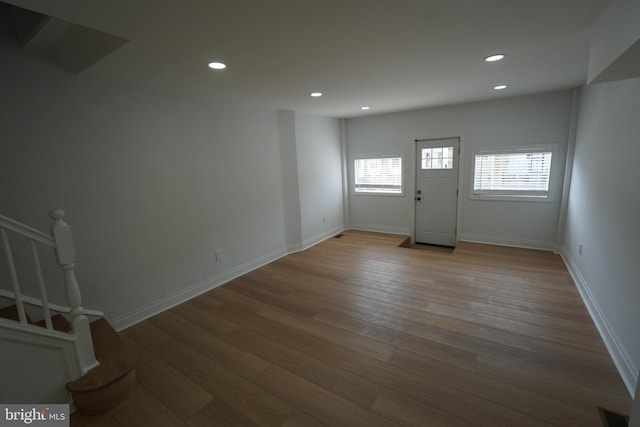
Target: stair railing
62,243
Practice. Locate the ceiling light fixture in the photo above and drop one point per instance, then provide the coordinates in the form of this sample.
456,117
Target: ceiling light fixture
365,108
316,94
500,87
494,58
217,65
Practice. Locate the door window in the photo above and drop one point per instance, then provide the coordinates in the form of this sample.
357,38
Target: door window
437,158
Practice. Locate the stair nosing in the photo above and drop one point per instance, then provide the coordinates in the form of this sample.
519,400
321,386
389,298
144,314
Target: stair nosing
102,386
127,358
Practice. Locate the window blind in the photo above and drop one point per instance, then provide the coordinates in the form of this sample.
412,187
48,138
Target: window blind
378,175
517,174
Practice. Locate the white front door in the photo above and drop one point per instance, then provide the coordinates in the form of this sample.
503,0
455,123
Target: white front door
437,191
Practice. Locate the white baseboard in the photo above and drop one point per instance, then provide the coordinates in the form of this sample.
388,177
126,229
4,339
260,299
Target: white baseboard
295,247
621,359
306,244
170,301
380,229
507,241
193,291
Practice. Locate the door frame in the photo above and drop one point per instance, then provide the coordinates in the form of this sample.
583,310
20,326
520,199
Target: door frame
462,162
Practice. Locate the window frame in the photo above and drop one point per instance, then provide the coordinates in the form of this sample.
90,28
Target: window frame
377,156
509,195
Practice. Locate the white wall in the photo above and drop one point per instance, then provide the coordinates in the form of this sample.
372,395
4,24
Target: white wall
319,161
603,213
614,48
526,120
311,158
153,183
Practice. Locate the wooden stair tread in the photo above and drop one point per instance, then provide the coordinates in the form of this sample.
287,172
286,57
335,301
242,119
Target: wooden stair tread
117,359
59,323
11,313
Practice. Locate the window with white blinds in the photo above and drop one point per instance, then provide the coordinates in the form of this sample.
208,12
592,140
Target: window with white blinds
516,173
379,175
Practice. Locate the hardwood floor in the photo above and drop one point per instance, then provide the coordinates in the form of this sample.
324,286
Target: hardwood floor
359,332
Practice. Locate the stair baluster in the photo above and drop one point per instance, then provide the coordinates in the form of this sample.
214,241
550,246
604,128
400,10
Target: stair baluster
43,292
66,256
14,278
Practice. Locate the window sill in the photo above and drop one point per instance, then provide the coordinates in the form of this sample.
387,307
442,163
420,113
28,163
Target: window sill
511,198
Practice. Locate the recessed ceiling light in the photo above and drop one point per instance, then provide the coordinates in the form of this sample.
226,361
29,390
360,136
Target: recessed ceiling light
500,87
316,94
494,58
217,65
365,108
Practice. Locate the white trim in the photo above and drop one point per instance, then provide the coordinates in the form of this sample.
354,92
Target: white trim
380,229
530,148
507,241
621,359
306,244
36,331
55,307
26,231
294,247
163,304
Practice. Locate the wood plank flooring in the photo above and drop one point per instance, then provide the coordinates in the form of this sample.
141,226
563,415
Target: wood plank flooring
357,331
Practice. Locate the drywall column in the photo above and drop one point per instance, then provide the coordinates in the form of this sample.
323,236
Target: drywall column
345,172
311,178
319,177
290,187
568,167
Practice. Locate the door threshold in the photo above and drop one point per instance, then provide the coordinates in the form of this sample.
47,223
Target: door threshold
427,247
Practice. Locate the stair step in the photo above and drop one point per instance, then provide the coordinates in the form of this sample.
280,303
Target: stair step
11,313
107,385
59,323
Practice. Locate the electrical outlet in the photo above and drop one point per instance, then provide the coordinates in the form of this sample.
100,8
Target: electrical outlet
218,254
324,219
580,249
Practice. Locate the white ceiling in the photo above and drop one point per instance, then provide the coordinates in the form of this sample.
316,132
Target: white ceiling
388,54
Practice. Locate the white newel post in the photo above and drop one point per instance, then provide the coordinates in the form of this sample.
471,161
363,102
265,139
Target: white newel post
66,256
